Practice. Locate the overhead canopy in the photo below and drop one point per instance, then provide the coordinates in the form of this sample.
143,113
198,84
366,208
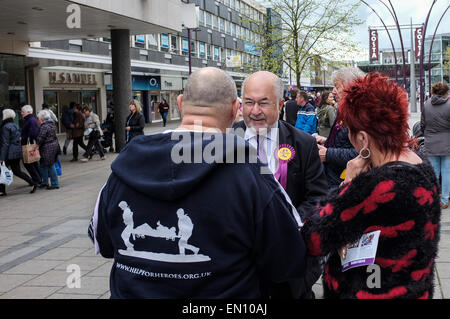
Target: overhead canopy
46,20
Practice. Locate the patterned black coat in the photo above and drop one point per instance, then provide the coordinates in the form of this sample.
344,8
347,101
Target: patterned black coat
48,143
401,201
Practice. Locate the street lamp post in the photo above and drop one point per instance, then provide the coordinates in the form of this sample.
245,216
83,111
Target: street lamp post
189,47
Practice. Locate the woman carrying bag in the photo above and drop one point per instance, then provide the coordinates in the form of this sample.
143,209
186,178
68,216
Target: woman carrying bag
11,150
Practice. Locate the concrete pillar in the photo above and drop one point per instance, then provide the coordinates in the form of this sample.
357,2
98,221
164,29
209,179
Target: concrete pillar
121,77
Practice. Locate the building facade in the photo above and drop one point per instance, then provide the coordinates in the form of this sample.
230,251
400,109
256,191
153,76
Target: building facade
226,38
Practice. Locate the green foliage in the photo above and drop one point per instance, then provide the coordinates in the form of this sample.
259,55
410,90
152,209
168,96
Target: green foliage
308,32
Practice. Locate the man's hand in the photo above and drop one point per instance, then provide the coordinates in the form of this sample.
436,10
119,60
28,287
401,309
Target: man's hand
322,153
320,139
127,128
355,167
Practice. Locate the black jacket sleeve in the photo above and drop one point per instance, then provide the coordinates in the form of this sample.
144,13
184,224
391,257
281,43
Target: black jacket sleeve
102,232
279,247
140,124
316,184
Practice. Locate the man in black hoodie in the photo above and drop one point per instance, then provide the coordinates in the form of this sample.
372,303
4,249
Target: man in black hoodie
189,214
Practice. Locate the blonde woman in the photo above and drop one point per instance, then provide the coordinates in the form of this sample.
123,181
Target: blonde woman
135,121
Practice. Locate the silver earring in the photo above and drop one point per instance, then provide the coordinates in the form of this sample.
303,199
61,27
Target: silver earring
364,156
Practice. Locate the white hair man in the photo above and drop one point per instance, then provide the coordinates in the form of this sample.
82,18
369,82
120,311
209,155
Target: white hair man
336,150
300,172
265,239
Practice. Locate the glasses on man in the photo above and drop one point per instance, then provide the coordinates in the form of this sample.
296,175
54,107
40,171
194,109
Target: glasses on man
262,104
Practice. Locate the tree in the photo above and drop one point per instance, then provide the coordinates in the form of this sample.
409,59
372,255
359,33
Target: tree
308,29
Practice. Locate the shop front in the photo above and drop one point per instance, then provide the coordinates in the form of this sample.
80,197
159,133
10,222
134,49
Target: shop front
171,87
58,88
12,84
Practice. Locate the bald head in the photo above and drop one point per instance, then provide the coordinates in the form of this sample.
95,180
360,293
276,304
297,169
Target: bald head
210,96
210,87
267,77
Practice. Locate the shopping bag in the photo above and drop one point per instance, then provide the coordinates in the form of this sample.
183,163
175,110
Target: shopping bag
6,176
58,167
30,153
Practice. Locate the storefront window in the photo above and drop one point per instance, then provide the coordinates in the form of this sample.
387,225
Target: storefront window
89,98
12,84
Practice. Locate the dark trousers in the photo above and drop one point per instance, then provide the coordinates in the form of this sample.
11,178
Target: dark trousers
164,117
33,170
94,143
14,165
78,141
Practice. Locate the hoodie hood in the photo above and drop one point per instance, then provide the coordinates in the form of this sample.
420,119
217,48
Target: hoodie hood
168,169
438,99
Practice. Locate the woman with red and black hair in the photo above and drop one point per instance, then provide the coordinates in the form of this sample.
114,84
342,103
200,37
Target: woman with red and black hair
388,188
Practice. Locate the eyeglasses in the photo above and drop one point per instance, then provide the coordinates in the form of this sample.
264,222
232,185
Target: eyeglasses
262,104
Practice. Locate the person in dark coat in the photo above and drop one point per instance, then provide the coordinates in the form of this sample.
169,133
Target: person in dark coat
164,110
30,131
49,149
11,149
336,150
135,122
435,125
303,179
388,189
291,108
222,241
92,123
77,127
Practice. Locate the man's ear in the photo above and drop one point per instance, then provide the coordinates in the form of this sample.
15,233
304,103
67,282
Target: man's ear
180,102
281,105
235,109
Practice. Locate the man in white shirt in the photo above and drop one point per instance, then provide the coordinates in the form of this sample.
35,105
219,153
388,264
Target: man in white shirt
291,155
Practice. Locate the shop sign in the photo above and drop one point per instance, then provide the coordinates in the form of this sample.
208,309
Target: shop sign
171,84
418,42
67,78
374,45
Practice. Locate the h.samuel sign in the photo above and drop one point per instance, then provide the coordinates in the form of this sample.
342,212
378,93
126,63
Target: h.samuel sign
71,78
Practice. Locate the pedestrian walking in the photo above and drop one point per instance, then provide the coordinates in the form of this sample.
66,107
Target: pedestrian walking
164,110
326,114
435,124
53,117
135,121
77,130
49,150
66,120
30,131
11,149
388,189
223,248
94,132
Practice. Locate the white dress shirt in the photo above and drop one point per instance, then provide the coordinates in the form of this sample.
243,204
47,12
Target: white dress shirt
266,144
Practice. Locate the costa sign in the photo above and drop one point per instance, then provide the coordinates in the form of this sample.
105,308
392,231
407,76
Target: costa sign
373,45
418,36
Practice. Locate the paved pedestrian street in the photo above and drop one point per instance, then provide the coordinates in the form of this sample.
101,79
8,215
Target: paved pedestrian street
43,236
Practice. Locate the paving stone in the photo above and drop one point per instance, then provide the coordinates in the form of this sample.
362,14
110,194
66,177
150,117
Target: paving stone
102,271
8,282
443,255
106,296
443,270
62,254
53,278
12,240
82,242
445,288
34,267
29,293
15,254
73,296
86,264
90,286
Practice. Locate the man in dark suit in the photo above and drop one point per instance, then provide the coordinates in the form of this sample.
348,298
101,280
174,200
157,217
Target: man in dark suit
304,180
291,108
